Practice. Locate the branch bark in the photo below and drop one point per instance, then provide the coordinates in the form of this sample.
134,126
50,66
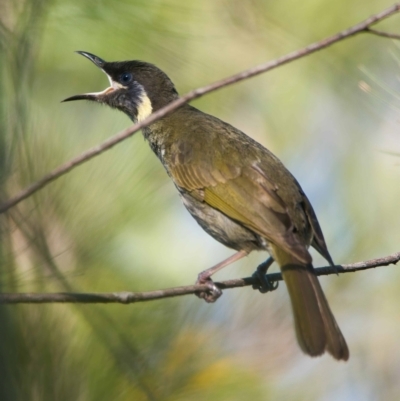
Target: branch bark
134,297
363,26
383,34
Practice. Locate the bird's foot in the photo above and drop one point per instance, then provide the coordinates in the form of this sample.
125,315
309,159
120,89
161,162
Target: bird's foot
212,293
264,285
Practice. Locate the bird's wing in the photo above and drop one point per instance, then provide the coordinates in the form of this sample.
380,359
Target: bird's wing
318,240
256,199
247,183
246,195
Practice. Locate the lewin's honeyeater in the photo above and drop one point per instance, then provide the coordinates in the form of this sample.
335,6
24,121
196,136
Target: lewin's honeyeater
238,191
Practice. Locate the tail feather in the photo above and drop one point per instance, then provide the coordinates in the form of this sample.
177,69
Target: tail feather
335,344
316,327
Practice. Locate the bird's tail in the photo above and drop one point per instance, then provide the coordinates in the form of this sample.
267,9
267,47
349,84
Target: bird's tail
316,327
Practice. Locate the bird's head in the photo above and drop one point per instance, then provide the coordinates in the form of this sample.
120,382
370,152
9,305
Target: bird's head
136,88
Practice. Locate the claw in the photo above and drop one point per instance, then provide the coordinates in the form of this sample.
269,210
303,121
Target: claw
204,278
264,284
213,292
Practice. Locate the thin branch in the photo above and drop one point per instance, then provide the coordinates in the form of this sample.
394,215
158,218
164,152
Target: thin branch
383,34
194,94
134,297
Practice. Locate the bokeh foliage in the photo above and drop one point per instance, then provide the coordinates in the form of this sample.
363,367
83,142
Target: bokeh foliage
116,223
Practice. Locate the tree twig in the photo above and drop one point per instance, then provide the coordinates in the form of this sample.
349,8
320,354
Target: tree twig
194,94
383,34
134,297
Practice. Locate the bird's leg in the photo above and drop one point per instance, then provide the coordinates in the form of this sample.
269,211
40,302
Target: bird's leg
204,278
265,285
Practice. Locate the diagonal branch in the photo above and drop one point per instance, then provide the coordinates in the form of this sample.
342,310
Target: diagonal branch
363,26
383,34
134,297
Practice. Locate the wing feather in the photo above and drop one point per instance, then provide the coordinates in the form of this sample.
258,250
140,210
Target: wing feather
256,190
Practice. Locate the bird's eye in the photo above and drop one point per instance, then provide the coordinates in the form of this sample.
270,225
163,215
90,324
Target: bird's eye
125,78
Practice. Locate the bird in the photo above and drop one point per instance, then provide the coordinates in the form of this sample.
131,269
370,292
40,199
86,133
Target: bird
238,191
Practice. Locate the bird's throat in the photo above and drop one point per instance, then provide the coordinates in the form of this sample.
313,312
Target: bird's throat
144,108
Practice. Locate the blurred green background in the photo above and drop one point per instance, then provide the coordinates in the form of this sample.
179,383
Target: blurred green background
116,222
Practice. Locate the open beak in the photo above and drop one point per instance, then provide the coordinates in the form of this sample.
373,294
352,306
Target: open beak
94,95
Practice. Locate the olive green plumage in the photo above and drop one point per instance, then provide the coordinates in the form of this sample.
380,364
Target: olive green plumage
237,190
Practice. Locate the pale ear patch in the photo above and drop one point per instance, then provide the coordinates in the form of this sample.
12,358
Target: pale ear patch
144,108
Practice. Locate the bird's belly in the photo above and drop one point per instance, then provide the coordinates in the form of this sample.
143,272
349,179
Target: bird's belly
221,227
